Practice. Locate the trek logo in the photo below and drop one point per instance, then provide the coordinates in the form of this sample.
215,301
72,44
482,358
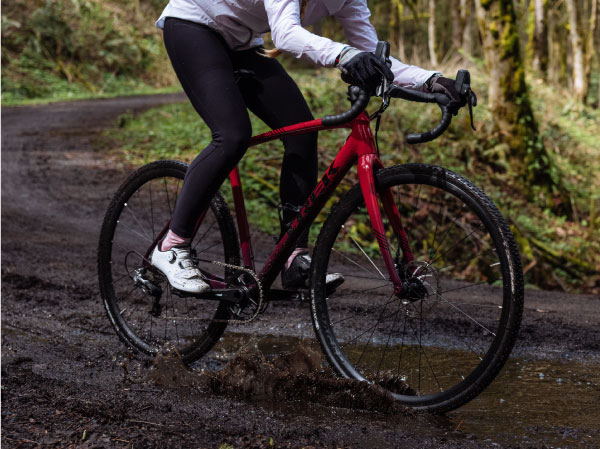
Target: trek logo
316,193
274,132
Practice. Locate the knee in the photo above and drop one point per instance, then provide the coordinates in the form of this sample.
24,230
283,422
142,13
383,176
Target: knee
233,142
303,146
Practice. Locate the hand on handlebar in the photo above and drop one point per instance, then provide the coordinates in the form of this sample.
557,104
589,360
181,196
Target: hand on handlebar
363,69
448,87
371,73
449,106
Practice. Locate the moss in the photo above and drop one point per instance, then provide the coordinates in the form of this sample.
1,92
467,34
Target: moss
486,4
509,43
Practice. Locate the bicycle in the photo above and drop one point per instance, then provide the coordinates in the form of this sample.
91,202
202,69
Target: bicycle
433,290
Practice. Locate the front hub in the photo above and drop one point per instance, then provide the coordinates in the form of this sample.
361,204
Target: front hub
420,282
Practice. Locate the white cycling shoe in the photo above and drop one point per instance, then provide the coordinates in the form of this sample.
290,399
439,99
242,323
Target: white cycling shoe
177,265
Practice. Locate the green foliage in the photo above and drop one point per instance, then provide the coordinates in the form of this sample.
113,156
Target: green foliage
69,48
557,252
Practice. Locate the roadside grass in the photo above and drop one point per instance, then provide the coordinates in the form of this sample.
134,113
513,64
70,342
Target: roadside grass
59,89
74,49
557,253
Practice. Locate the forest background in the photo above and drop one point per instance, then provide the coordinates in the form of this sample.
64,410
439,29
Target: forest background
535,67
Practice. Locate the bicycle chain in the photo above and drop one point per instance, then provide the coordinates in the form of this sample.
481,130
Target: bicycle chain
260,296
260,292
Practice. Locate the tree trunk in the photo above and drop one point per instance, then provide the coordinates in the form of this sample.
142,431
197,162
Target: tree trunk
539,39
590,48
466,19
397,27
431,34
508,95
557,37
509,100
456,27
579,82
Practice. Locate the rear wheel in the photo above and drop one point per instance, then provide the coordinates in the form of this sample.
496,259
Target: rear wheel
446,343
147,322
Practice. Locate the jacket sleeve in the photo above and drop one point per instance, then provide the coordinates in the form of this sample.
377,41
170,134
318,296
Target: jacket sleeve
354,18
289,36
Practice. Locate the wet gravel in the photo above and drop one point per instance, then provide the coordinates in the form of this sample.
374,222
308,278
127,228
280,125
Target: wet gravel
67,381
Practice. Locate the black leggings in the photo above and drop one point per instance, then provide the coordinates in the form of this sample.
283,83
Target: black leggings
204,65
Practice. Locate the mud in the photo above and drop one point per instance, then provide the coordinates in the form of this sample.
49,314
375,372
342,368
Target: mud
67,381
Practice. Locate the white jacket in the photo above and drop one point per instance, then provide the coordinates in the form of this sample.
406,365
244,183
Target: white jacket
243,22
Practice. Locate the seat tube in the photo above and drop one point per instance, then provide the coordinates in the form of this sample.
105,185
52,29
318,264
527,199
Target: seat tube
366,178
242,218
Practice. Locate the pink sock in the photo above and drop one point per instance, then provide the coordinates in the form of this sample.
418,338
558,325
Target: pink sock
171,240
295,253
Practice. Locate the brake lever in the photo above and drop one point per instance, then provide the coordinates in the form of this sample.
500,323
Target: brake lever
470,104
382,52
463,87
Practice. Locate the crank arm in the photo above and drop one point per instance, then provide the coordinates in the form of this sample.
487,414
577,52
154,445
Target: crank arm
231,295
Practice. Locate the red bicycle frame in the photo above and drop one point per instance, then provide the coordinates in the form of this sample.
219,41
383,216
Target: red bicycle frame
359,149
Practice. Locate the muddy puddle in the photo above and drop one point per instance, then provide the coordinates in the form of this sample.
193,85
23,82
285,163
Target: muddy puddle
533,403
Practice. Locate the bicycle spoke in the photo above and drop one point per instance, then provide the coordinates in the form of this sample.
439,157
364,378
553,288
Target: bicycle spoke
151,208
422,350
366,255
126,206
435,233
136,233
168,199
363,313
209,247
387,343
147,217
374,328
368,329
347,275
402,342
353,262
465,314
464,286
204,234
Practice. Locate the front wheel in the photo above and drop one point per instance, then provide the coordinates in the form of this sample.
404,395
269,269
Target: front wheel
145,311
436,349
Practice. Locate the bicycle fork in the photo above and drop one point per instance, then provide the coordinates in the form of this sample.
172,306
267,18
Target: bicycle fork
368,164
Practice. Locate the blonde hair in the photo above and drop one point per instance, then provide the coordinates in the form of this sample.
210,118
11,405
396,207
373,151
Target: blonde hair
274,52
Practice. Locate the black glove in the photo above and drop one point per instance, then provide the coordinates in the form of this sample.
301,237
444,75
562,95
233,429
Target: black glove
363,69
447,86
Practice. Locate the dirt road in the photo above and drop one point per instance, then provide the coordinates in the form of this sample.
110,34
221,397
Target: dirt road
67,381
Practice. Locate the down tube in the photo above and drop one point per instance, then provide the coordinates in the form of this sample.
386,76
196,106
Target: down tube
313,205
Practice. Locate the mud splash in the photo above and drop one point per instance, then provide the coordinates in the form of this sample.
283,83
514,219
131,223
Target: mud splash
550,403
296,375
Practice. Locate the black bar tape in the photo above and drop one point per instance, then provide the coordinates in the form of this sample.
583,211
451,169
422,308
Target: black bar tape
357,107
418,96
435,132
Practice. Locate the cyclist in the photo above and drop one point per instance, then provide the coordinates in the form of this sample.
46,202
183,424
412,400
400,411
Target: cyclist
209,42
